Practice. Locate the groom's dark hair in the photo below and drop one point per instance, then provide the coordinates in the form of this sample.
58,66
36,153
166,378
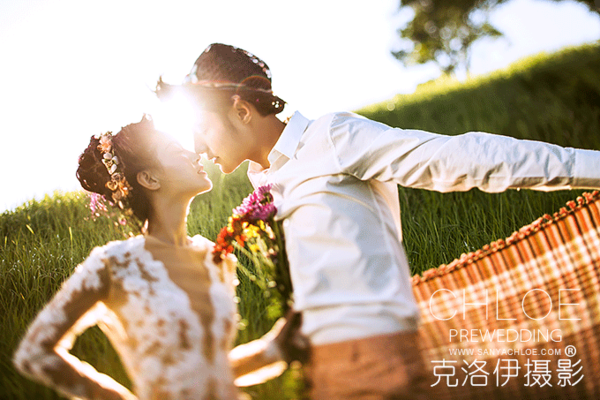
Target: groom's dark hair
224,70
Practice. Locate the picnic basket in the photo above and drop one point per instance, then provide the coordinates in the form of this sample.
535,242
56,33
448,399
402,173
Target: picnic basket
519,318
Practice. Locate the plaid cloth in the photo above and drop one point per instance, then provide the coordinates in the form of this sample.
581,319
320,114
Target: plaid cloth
503,322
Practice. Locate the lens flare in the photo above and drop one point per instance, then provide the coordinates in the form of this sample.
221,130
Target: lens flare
176,118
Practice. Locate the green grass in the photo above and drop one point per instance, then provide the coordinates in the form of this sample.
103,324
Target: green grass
552,98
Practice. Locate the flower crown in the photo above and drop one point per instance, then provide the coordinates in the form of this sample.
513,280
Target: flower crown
118,185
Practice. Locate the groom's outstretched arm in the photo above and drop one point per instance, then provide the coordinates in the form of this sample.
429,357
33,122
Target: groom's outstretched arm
492,163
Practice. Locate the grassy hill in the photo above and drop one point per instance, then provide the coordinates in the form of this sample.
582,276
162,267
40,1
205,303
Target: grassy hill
555,98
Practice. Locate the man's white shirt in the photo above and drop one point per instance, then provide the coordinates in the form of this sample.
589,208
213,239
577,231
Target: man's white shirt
335,188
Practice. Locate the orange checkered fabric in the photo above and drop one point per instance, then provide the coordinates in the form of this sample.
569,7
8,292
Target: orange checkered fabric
519,318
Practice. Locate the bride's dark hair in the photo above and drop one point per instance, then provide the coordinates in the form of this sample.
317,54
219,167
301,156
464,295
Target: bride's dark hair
132,145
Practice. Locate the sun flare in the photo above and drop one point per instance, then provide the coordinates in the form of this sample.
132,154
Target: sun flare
176,118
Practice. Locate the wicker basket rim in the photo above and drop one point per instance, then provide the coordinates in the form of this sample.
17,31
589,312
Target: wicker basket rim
528,230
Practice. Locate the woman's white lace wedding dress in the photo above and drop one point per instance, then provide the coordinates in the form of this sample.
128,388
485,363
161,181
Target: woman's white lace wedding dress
168,311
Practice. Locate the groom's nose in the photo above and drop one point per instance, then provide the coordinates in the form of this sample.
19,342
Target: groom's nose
199,146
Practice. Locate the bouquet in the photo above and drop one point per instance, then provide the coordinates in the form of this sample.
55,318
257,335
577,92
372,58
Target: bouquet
254,232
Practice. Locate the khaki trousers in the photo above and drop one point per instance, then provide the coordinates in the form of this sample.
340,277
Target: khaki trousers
375,368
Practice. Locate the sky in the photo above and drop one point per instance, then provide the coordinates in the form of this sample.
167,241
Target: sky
72,69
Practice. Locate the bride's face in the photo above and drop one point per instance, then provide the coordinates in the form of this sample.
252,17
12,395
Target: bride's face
179,170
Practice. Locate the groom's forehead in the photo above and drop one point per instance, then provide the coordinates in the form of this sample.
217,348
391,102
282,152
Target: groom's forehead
210,100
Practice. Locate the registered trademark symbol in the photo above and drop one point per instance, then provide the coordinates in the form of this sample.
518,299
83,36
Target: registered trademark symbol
570,350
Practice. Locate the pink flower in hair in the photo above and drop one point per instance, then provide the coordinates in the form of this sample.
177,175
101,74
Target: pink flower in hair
105,143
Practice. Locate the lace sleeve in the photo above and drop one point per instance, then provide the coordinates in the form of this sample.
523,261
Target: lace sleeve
43,354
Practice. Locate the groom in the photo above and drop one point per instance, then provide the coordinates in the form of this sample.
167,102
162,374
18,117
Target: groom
335,186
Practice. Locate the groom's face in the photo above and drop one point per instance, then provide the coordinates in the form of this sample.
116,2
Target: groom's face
216,136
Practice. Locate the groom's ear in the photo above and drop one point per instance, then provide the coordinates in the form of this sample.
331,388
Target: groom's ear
242,109
147,180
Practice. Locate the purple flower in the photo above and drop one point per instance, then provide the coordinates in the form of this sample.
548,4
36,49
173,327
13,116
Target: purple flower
258,205
264,212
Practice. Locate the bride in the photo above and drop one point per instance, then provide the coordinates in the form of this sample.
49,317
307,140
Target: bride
164,304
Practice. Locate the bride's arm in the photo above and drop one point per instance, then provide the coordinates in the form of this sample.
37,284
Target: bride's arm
267,357
43,354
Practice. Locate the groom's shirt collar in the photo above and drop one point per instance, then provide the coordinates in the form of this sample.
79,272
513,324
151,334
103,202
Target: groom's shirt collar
289,139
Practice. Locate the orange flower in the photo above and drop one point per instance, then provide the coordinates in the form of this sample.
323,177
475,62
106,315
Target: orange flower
119,186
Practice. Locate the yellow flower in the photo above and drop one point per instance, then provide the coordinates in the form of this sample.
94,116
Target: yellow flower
252,231
254,248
